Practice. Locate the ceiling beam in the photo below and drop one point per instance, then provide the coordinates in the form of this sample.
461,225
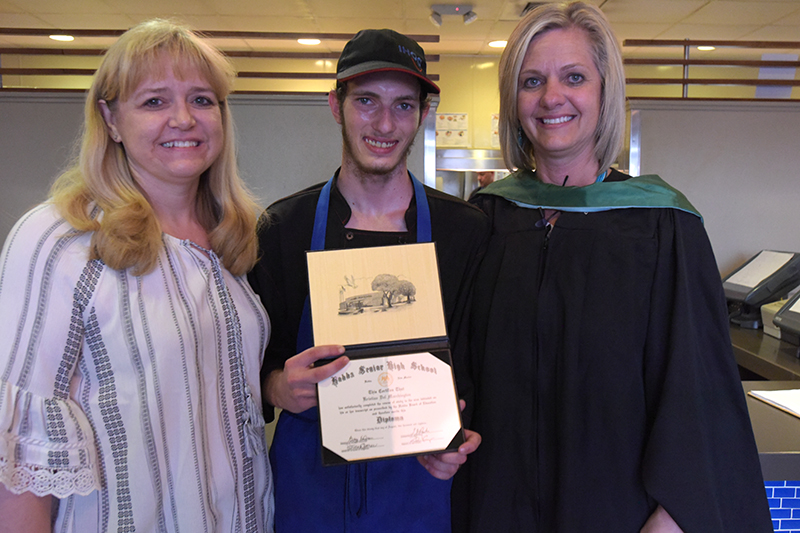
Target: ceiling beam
258,54
706,42
713,62
240,74
268,35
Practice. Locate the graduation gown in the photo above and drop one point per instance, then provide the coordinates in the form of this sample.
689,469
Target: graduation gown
603,380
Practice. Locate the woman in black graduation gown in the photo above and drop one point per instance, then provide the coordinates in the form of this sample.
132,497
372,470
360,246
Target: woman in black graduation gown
601,375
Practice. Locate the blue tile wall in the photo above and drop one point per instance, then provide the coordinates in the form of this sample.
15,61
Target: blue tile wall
784,505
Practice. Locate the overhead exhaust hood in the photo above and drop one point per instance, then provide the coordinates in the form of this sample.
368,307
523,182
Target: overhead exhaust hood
469,160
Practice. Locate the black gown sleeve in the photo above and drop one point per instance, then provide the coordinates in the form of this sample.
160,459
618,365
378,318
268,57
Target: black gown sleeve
700,460
460,282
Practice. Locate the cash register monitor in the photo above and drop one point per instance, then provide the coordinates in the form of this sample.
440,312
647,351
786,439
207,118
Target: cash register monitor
766,277
788,320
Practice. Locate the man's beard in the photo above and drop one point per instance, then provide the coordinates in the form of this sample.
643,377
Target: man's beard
362,168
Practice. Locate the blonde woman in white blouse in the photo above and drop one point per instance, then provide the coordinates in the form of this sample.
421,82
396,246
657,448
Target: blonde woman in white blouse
130,342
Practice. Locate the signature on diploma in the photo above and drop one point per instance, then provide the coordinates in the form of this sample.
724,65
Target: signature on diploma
359,443
418,435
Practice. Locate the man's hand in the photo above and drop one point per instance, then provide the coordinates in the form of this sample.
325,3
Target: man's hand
445,465
294,387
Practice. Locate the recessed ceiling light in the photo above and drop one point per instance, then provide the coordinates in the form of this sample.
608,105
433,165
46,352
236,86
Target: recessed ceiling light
706,48
64,38
309,42
498,44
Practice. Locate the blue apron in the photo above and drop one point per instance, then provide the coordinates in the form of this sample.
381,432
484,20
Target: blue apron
393,495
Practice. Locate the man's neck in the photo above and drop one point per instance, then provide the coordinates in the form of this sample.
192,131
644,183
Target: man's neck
377,202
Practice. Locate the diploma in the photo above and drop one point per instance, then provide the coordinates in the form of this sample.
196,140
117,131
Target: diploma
389,406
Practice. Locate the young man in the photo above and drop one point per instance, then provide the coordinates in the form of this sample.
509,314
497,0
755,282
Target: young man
381,98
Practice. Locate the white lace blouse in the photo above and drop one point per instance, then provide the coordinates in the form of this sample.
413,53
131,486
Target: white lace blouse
134,400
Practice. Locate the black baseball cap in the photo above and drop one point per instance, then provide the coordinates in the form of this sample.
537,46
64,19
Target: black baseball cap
383,50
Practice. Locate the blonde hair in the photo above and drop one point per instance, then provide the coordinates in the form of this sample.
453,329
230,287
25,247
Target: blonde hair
126,232
517,149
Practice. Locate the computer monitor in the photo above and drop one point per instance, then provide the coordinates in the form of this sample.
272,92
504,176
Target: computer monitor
788,320
766,277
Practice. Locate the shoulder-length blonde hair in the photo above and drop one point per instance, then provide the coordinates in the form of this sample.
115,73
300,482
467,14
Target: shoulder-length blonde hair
99,194
517,149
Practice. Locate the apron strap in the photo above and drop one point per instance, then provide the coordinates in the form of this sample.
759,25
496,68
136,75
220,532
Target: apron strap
305,338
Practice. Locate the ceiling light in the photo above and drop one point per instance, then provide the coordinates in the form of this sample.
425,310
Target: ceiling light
498,44
309,42
65,38
706,48
465,10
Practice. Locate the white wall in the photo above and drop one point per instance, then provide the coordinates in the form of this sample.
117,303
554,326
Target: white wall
37,135
285,143
737,162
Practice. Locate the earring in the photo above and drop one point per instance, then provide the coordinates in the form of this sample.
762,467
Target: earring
520,137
